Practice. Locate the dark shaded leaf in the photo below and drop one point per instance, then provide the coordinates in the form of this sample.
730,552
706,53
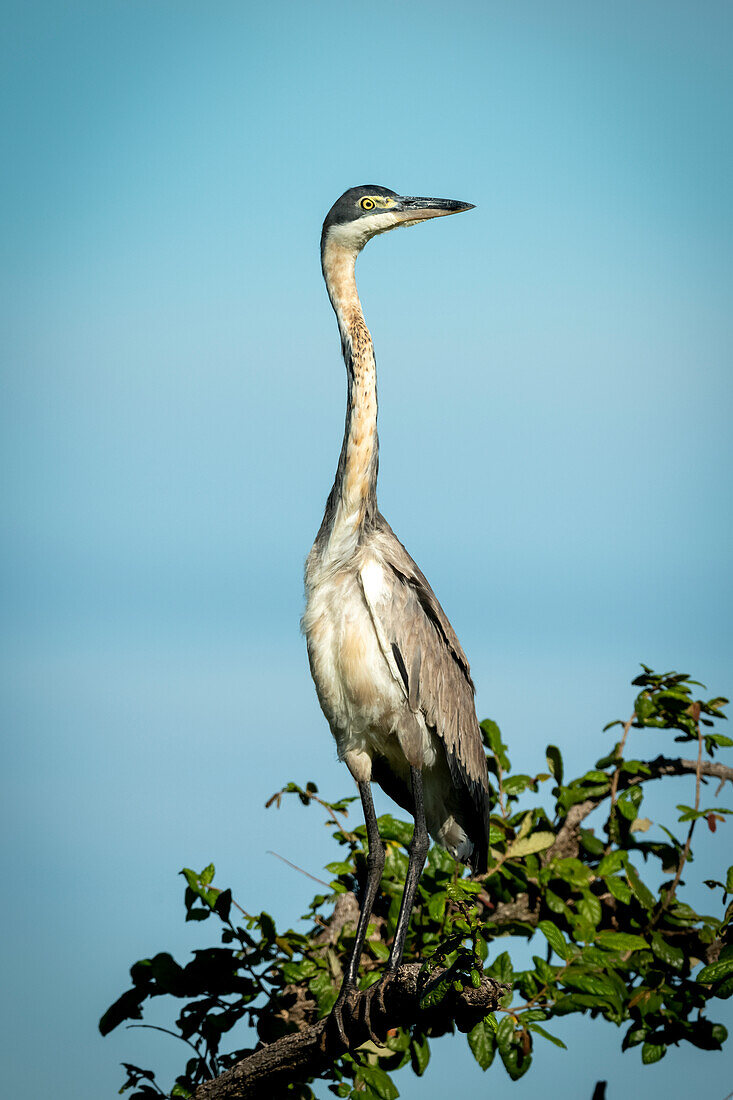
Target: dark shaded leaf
482,1042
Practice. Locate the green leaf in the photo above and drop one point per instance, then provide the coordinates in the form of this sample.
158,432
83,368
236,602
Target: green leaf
592,844
482,1042
323,989
691,814
667,952
555,938
502,969
621,941
715,971
435,992
379,1081
611,863
642,893
589,908
527,845
267,927
516,1063
515,784
644,707
554,762
546,1035
629,802
294,972
652,1052
572,871
339,868
619,888
544,970
436,906
505,1032
223,904
419,1055
392,829
597,984
555,903
126,1007
729,880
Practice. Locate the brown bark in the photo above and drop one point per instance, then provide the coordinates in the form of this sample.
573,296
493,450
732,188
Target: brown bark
307,1053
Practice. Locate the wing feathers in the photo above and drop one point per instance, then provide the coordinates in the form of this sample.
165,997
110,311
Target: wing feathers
421,646
414,684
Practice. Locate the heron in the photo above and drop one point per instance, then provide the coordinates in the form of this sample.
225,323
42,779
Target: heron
390,674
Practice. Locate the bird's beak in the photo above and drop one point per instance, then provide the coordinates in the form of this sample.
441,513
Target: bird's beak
411,210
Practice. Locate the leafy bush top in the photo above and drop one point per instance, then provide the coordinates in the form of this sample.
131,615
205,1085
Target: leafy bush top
610,942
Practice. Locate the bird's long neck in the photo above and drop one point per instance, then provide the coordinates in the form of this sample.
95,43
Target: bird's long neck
353,499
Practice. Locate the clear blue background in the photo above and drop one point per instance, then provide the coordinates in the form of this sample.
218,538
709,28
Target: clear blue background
555,425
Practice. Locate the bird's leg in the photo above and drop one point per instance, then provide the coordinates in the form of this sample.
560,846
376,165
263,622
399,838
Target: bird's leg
418,850
418,854
375,866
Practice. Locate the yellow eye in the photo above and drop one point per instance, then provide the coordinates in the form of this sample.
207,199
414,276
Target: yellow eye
367,204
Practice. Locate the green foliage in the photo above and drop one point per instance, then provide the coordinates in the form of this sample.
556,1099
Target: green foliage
616,939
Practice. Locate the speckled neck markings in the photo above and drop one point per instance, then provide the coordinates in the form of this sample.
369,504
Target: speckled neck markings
353,500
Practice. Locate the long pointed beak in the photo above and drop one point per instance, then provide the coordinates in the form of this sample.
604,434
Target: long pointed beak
411,210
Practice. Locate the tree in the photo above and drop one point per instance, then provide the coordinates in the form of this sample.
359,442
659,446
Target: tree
605,905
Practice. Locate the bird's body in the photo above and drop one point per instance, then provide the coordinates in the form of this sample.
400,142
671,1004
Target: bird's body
391,676
353,612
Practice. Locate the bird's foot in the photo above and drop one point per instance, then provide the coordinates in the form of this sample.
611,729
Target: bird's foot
334,1033
375,993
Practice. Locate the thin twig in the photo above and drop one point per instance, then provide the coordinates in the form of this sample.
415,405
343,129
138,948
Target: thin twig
669,895
297,868
615,777
545,987
183,1039
241,910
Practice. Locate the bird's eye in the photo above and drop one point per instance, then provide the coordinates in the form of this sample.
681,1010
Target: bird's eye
367,204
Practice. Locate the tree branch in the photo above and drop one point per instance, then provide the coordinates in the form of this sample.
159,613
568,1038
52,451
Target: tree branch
307,1053
310,1051
567,843
568,837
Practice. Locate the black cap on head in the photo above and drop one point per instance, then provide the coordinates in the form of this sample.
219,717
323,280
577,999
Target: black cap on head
347,208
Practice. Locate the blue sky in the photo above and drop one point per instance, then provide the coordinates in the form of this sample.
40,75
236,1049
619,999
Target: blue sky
555,427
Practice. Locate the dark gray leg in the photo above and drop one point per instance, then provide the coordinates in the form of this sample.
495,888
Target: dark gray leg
418,854
375,866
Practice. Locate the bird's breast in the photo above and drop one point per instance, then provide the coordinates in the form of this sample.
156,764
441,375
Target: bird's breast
355,686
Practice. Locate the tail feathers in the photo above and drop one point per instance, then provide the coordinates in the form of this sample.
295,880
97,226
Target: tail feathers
475,807
464,832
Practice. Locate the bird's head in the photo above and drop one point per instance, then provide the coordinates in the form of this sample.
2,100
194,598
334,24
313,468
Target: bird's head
363,212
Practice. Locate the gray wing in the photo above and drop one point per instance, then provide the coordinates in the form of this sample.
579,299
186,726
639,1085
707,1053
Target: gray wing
436,674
